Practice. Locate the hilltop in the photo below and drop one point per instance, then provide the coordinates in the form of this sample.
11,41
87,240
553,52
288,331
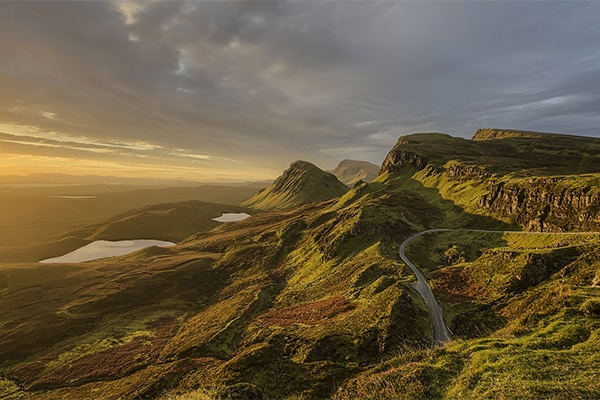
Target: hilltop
542,181
351,171
317,295
500,152
300,184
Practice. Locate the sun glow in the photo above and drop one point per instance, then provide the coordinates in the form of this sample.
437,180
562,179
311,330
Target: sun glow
24,164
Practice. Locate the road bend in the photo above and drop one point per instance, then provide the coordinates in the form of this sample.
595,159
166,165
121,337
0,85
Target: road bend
440,331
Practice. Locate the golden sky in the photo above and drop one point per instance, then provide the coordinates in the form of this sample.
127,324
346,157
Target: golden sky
240,89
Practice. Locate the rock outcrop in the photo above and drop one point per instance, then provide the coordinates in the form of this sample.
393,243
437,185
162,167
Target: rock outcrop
395,160
493,133
542,181
545,204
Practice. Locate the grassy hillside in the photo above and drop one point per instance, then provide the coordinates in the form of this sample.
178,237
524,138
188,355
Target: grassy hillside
34,214
499,152
300,184
524,310
542,182
316,295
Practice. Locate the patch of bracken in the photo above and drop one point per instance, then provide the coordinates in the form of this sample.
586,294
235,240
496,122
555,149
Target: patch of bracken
313,313
27,373
113,362
456,285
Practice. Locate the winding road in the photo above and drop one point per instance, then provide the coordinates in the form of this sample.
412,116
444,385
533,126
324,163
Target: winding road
440,331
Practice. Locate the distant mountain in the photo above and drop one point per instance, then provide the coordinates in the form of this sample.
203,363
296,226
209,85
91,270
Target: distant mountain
318,295
352,171
300,184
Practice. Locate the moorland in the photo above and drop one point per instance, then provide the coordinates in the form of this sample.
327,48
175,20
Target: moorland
309,298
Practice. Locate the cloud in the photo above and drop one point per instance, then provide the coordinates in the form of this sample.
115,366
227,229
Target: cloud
268,82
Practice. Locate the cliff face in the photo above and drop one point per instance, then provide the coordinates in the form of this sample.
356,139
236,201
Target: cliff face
396,159
542,181
545,204
492,133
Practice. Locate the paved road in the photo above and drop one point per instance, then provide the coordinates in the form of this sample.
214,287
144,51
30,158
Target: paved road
440,332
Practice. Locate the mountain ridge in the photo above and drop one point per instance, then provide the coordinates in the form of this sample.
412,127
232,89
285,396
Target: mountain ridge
351,171
545,182
302,183
318,296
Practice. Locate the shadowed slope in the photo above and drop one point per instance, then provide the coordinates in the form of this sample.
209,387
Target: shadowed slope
351,171
300,184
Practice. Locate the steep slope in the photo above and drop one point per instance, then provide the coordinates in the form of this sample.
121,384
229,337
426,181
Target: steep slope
300,184
526,305
541,181
351,171
318,297
311,294
527,309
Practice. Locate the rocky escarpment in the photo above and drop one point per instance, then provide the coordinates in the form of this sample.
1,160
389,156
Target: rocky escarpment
493,133
397,158
461,172
545,204
542,181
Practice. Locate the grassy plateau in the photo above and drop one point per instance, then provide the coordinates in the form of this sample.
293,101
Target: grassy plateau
308,298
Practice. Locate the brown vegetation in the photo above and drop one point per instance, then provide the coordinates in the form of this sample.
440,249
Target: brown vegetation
313,313
454,284
110,363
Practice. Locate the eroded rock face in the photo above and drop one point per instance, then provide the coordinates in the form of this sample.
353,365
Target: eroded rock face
545,204
493,133
397,158
461,172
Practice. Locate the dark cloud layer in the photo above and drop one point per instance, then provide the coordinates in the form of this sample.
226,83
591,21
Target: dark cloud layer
254,85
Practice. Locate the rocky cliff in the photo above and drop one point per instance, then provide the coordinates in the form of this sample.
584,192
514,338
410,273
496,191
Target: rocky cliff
546,204
542,181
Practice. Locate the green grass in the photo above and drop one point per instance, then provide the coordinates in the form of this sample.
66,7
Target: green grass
317,297
29,215
490,368
302,183
545,347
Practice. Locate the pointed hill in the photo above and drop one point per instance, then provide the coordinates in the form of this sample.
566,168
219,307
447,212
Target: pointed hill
352,171
302,183
318,295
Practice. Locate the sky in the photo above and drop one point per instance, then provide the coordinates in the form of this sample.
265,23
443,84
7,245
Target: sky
240,89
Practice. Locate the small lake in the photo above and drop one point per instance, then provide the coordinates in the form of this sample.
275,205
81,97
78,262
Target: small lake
232,217
105,248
